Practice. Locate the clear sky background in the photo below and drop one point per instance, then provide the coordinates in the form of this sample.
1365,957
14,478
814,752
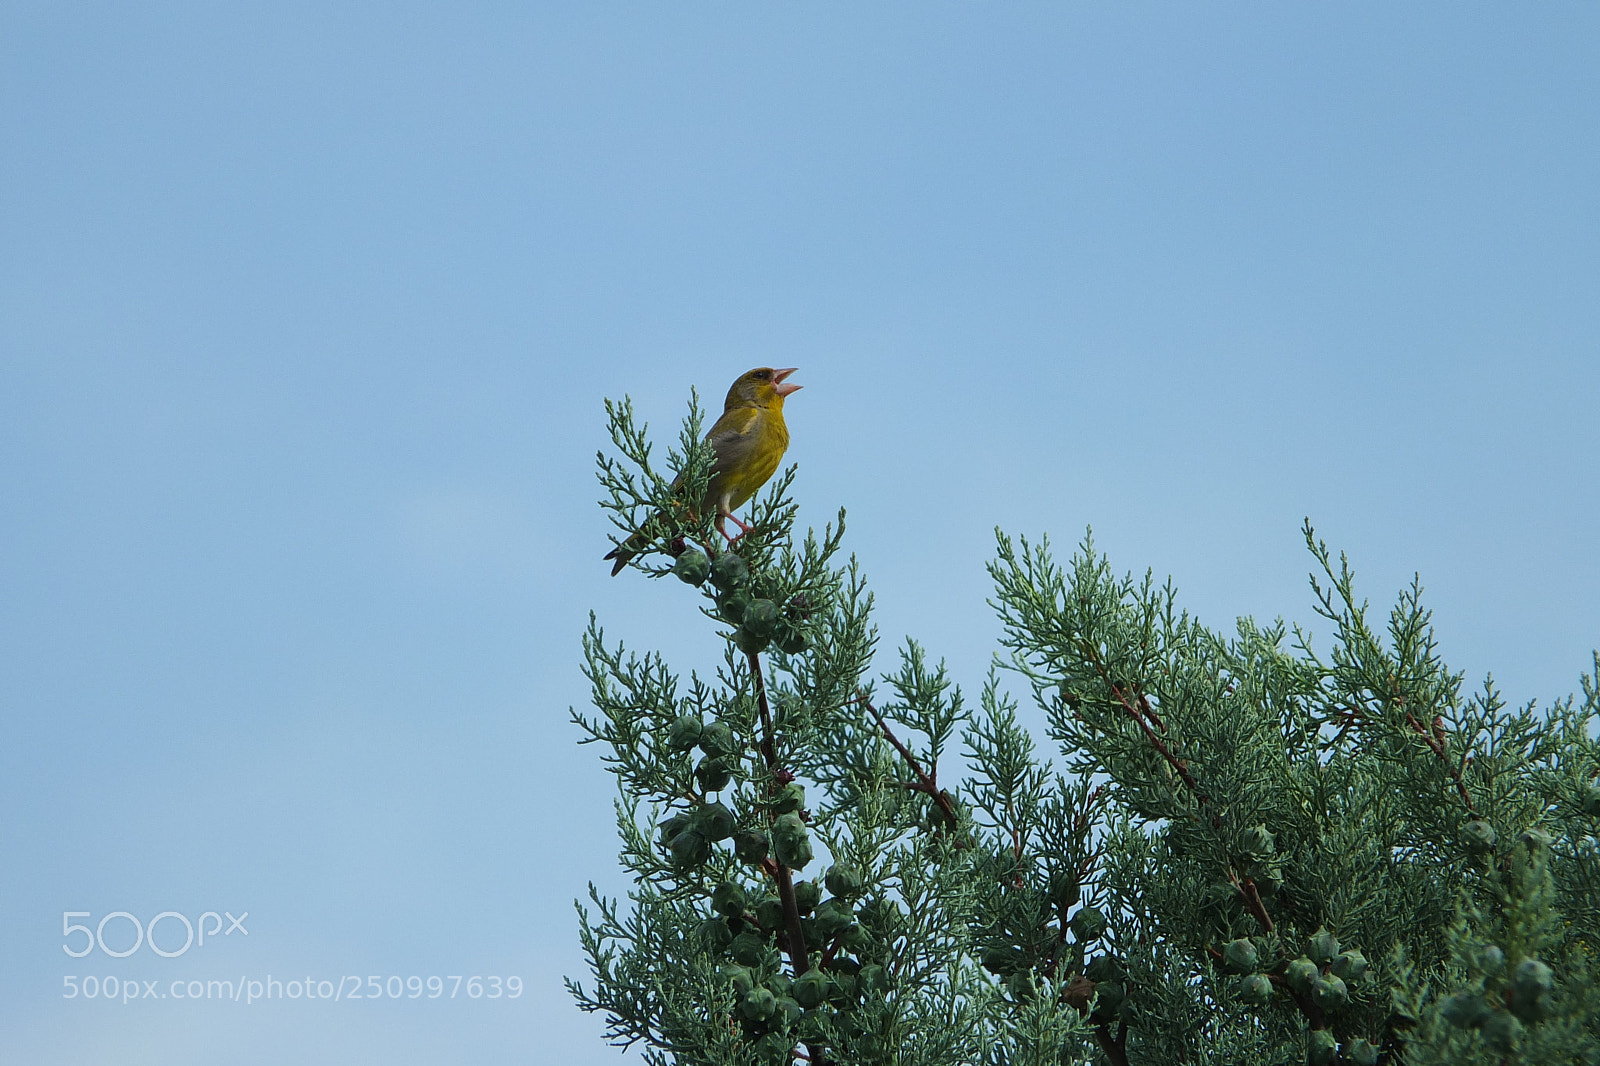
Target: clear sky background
307,312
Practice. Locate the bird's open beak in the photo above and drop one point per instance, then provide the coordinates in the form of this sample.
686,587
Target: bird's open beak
779,386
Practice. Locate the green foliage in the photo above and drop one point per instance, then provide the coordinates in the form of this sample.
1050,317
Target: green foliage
1250,851
730,784
1496,998
1264,790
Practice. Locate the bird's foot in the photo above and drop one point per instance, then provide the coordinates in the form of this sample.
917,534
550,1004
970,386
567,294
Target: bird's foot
721,528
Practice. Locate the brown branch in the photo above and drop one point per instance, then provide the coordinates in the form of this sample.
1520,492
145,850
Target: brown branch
1252,900
1315,1017
791,921
1150,712
1179,765
830,951
1093,655
799,959
1080,826
1350,718
1137,712
1436,742
1143,714
1080,821
1115,1047
769,748
926,782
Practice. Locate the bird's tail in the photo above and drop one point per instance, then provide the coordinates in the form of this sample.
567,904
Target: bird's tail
641,540
625,551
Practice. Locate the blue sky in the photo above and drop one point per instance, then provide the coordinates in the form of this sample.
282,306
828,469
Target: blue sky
307,312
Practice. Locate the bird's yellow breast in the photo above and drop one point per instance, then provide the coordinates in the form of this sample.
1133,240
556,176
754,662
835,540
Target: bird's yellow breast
745,464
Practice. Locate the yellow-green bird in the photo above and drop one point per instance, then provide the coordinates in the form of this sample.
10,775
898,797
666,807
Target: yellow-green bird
748,440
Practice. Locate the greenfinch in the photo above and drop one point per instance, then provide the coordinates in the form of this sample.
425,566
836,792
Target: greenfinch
748,441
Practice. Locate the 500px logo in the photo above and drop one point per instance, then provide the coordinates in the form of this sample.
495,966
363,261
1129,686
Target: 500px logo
146,934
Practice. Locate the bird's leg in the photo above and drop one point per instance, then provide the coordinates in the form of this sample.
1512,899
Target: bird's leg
726,516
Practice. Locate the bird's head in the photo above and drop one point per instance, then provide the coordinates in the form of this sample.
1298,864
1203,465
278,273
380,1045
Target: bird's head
761,387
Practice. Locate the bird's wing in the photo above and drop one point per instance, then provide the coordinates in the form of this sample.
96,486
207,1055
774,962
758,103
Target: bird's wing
732,437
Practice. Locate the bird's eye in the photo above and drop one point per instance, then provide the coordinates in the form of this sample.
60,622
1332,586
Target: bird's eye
762,375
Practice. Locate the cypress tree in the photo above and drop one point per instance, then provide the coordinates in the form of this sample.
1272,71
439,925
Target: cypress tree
1247,850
